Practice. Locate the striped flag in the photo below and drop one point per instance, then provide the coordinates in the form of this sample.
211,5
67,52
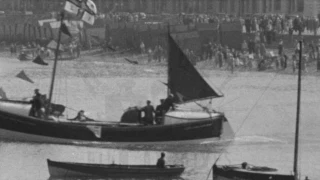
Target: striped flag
86,9
88,18
72,6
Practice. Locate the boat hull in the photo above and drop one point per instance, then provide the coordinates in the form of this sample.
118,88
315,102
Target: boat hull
68,169
19,127
232,173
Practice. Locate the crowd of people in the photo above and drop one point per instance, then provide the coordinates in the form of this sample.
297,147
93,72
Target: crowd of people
260,32
30,50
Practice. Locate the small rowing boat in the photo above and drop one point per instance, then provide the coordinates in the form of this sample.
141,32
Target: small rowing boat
71,169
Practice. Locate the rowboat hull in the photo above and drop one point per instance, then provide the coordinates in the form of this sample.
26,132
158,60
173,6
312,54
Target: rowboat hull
18,127
68,169
237,173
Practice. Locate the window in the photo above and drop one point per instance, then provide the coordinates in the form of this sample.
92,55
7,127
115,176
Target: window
209,5
270,5
163,6
277,5
264,6
221,6
144,5
232,6
254,6
300,5
197,5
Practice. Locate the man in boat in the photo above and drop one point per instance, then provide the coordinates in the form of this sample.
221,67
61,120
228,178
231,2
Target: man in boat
168,103
161,162
148,113
160,112
36,104
81,117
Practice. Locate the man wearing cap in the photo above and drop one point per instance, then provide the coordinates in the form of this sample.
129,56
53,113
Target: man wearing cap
36,104
80,117
148,113
160,112
161,162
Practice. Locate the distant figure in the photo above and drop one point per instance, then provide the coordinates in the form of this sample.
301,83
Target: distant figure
36,104
78,49
161,162
244,165
160,112
148,113
11,49
142,48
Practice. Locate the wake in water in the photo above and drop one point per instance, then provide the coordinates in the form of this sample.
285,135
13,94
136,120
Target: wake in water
244,140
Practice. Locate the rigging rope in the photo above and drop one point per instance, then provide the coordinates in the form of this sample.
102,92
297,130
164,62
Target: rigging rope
209,174
249,113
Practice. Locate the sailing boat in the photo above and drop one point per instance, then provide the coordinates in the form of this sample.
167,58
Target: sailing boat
186,85
245,171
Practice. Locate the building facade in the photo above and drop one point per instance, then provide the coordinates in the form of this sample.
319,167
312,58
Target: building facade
236,7
311,7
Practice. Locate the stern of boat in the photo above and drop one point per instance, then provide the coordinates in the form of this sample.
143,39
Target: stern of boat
218,119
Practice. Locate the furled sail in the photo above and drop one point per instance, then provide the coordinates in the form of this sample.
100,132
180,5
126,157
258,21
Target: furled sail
184,81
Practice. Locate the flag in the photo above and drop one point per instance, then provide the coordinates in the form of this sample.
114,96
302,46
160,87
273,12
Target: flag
38,60
3,94
65,29
22,75
53,45
111,48
92,7
55,24
72,6
74,26
41,22
131,61
84,8
88,18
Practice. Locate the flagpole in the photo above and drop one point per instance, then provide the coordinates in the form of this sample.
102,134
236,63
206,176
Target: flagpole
168,68
54,66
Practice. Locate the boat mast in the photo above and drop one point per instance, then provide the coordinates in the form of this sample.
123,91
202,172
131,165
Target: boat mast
296,143
55,65
168,68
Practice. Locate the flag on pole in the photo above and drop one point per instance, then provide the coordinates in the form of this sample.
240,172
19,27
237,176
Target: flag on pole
53,45
131,61
86,9
65,29
38,60
92,7
72,6
3,94
22,75
88,18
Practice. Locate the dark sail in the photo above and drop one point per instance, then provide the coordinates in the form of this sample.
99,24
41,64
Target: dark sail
184,81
